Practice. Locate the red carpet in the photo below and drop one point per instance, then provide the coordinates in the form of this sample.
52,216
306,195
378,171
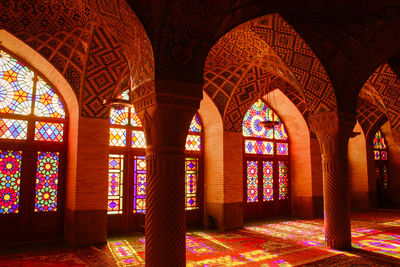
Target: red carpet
375,235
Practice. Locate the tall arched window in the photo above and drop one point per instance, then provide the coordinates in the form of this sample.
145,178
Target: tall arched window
382,169
32,153
127,169
266,163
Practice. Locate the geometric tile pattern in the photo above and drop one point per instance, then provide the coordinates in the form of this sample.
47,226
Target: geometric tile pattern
104,67
273,45
369,116
295,52
254,84
228,62
61,31
387,84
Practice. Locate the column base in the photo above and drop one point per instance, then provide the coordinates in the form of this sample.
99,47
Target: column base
339,244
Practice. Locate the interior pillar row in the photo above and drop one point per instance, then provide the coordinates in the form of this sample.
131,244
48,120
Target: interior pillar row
166,118
333,130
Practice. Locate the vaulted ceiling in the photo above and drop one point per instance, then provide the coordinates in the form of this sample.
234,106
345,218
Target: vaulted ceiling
324,55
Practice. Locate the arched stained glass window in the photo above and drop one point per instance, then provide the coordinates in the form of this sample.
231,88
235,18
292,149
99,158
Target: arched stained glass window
266,154
381,158
127,162
380,152
32,140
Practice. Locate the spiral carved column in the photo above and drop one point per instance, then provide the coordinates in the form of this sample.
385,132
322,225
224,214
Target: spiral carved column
166,119
333,130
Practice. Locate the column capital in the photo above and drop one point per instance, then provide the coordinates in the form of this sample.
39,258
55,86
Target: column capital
332,122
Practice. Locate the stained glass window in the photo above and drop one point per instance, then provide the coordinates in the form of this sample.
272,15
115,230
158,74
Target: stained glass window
47,181
127,136
28,101
283,180
259,147
268,180
381,156
48,131
138,139
252,181
119,116
191,181
10,179
379,141
380,149
139,198
13,129
282,148
193,142
117,137
266,145
115,183
195,125
47,102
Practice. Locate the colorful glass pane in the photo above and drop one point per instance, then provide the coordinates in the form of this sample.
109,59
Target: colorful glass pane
119,116
13,129
48,131
376,155
10,175
282,148
193,142
283,180
46,181
117,137
268,181
47,102
259,147
195,125
16,86
138,139
135,120
191,173
257,113
383,155
379,141
279,130
139,189
115,183
252,181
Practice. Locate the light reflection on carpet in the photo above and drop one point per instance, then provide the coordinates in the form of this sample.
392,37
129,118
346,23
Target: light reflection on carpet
275,244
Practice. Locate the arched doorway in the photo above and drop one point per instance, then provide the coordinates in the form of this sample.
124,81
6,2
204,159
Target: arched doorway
266,164
127,171
33,124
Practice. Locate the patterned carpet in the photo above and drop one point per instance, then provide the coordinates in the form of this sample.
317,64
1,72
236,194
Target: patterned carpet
375,238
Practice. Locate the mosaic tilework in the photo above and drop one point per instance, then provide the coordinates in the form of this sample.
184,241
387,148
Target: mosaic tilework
387,84
299,57
369,116
61,32
105,65
251,88
240,48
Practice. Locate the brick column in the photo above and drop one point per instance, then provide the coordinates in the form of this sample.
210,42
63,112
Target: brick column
86,189
333,130
166,119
